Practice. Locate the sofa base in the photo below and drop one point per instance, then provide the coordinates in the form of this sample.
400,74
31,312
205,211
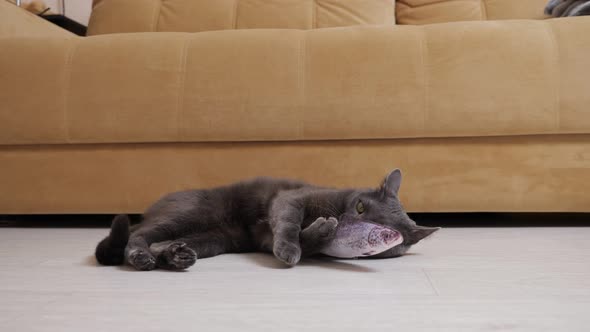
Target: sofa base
513,174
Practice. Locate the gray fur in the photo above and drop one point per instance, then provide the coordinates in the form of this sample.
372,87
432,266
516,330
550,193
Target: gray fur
551,5
581,10
291,219
564,8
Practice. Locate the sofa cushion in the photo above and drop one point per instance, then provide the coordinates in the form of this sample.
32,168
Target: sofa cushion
438,11
113,16
443,80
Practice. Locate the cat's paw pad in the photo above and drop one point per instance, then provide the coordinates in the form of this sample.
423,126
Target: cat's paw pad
286,252
327,227
179,256
141,260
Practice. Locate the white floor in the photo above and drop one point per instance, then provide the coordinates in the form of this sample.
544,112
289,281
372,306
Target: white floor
478,279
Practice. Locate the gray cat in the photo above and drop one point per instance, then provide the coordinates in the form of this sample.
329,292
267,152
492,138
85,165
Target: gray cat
287,218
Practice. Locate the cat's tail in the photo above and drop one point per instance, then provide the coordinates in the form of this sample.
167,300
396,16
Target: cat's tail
111,250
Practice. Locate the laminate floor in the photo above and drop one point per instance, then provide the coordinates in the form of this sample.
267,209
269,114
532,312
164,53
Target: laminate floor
461,279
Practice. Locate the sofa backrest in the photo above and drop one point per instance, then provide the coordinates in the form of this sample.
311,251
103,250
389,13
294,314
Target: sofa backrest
115,16
437,11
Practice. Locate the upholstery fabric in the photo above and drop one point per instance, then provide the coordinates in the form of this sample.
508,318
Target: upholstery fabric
528,173
115,16
439,11
481,116
447,80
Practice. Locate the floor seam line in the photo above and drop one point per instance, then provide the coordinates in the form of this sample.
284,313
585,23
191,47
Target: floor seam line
430,282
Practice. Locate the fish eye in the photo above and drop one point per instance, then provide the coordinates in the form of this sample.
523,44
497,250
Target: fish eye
360,207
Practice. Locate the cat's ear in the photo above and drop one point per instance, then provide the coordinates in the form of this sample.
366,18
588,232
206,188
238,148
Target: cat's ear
392,182
418,233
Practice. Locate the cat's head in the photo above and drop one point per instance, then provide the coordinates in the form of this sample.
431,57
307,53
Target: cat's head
382,206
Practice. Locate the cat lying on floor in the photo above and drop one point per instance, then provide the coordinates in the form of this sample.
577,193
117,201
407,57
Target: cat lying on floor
287,218
562,8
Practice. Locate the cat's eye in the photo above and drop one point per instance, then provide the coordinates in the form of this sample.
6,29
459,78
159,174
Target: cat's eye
360,207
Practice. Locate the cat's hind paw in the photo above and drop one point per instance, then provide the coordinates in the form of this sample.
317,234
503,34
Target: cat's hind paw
177,256
141,260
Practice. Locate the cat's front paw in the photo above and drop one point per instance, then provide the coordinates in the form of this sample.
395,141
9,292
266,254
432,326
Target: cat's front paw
141,260
326,227
287,252
177,256
317,235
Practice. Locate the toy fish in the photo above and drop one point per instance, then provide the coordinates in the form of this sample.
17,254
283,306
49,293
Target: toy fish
361,238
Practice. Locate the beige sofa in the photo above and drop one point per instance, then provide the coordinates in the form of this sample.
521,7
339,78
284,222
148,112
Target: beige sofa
482,114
